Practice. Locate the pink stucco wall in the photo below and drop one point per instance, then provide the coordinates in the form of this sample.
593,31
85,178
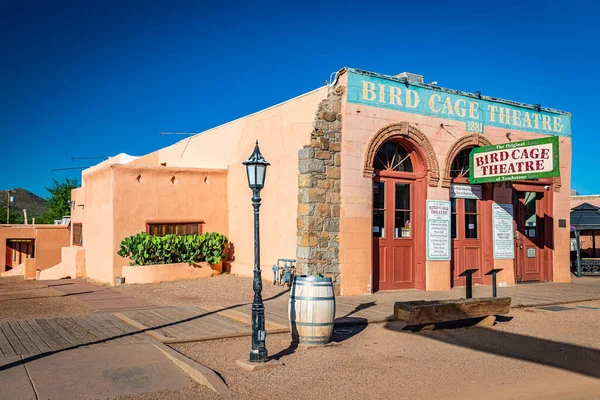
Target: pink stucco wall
166,194
281,130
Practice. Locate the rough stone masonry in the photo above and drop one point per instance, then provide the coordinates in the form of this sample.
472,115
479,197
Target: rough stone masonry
318,221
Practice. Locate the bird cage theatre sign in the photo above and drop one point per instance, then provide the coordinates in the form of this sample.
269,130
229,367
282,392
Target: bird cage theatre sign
528,159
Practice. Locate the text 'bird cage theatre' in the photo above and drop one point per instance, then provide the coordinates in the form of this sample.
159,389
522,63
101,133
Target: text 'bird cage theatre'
379,182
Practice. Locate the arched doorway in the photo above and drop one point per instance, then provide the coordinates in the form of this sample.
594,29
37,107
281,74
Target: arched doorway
470,221
399,194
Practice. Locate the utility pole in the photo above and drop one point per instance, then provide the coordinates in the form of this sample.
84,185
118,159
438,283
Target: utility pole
8,206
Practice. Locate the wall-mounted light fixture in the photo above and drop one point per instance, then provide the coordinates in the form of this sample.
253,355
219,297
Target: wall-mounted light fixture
508,136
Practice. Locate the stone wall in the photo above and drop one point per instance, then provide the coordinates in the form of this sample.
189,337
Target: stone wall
318,222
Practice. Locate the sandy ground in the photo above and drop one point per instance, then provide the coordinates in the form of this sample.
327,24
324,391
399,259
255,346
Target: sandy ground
538,354
20,299
223,290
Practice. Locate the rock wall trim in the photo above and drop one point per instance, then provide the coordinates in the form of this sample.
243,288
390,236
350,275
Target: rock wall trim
408,132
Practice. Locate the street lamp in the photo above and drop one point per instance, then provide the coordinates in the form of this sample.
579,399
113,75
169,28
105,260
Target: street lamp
256,168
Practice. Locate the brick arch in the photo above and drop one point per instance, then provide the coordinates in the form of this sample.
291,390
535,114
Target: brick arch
405,131
472,140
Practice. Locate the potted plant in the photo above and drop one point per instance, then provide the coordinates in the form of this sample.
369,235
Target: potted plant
214,249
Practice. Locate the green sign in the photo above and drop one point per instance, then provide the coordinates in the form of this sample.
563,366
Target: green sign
528,159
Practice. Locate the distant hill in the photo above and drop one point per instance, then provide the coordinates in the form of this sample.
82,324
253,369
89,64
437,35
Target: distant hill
24,199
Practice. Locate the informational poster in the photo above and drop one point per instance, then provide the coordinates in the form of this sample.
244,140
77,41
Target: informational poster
502,217
465,191
438,230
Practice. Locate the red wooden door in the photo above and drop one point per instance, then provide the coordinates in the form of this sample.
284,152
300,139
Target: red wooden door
395,204
466,233
529,238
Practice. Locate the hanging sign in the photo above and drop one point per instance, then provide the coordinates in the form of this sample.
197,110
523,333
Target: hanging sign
438,230
465,191
528,159
502,217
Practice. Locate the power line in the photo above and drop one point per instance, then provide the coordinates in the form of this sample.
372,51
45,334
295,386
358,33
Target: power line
65,169
179,133
86,158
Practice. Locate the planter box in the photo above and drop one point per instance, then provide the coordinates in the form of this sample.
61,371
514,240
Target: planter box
167,272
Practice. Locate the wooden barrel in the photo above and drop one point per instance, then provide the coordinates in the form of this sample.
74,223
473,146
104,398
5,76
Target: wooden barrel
311,310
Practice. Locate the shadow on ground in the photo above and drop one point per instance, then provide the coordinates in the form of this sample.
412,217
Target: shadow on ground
48,297
569,357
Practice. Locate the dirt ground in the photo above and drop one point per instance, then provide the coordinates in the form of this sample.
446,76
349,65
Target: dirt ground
200,292
537,354
20,299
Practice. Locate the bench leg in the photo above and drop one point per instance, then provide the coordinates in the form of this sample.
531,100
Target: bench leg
487,322
419,328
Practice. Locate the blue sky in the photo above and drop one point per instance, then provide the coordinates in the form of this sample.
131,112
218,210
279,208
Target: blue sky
99,78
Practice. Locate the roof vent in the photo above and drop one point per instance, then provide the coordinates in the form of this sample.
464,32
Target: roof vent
413,78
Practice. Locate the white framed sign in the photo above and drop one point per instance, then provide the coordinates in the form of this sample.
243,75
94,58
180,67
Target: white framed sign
465,191
438,230
502,218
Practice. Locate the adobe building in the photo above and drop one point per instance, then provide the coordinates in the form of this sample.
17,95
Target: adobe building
369,183
26,248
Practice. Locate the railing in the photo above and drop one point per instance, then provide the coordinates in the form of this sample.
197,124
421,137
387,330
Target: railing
590,266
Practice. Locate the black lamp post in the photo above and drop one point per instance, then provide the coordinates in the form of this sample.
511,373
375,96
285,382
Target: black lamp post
256,167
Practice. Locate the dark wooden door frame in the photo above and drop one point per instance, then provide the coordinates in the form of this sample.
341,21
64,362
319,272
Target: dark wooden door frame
545,235
485,241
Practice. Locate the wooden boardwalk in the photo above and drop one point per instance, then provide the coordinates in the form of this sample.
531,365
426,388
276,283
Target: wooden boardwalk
102,299
43,335
186,323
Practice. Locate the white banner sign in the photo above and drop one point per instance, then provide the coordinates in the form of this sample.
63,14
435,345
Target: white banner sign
438,230
527,159
502,217
465,191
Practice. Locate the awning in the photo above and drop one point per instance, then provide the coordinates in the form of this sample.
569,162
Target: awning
585,217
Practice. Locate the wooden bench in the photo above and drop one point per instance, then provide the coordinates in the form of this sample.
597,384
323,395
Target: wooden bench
421,313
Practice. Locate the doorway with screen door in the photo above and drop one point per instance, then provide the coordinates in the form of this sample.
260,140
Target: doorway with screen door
530,207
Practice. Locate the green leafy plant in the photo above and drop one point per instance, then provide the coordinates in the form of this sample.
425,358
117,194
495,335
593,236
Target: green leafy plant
213,247
145,249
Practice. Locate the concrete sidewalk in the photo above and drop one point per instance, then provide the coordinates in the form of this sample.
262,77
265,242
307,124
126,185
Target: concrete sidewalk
90,373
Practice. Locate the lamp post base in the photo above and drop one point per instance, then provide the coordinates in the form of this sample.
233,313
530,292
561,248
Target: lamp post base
259,355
